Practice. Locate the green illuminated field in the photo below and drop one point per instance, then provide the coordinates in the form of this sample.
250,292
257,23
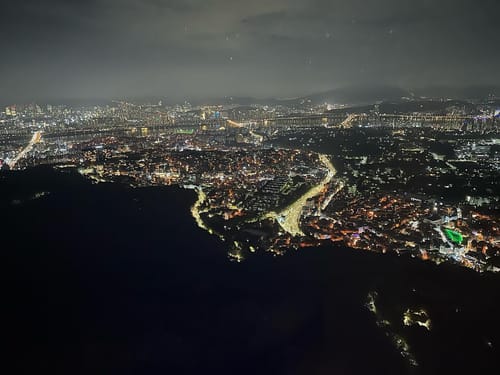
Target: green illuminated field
453,236
184,131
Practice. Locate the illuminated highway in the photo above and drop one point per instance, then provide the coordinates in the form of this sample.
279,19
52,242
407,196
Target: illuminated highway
34,140
241,125
196,210
289,218
234,124
347,123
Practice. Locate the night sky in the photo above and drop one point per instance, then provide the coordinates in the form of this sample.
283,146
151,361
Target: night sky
55,49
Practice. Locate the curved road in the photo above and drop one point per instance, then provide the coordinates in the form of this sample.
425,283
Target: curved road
289,218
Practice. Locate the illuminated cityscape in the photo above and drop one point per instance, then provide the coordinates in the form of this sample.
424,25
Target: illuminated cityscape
296,187
422,184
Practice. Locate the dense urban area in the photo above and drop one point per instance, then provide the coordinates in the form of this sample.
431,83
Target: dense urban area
415,177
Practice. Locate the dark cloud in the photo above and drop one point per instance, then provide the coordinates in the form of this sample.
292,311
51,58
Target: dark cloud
177,48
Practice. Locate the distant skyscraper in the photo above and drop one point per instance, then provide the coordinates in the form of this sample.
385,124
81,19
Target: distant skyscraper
10,111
